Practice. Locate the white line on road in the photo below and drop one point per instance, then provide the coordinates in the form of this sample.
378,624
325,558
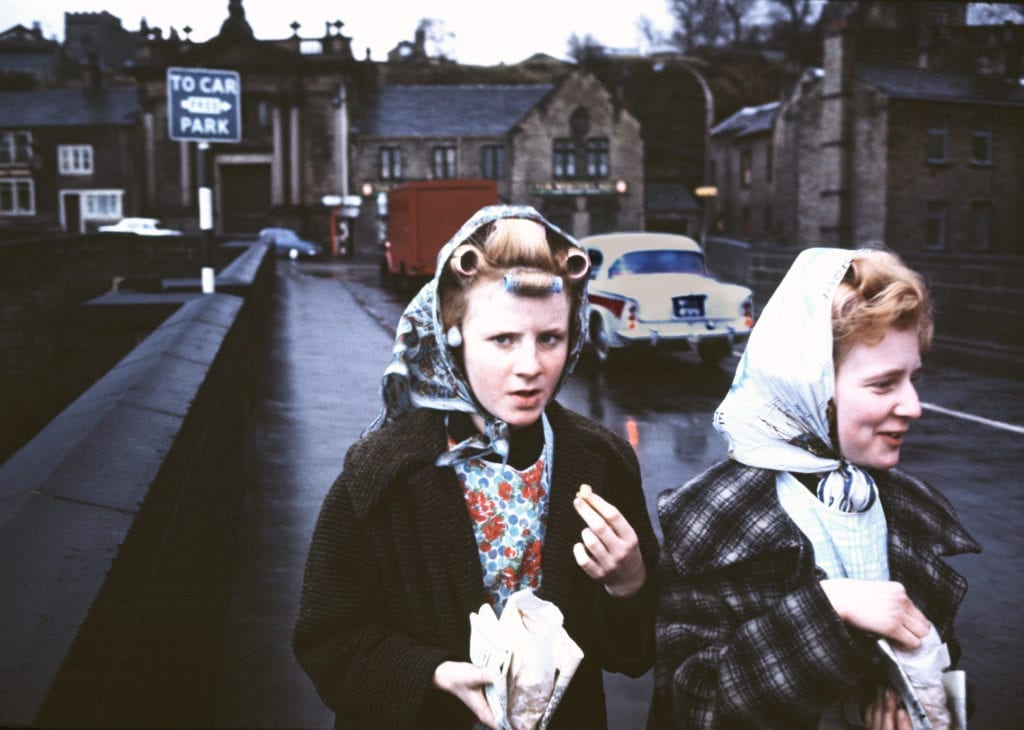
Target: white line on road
971,417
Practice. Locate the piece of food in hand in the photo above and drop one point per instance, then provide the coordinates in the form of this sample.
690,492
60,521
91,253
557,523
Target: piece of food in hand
584,491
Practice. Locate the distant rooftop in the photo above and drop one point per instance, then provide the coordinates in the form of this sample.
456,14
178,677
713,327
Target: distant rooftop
68,107
924,84
456,110
748,120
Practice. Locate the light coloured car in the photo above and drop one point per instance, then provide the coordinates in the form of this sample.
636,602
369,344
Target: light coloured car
652,290
287,243
140,227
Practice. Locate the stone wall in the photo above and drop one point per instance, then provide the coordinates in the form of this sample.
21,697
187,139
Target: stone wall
977,298
47,357
118,523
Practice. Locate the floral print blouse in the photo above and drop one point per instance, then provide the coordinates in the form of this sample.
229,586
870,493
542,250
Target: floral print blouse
509,511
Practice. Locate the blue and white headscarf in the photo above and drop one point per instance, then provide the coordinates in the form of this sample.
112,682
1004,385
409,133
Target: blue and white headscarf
423,372
778,410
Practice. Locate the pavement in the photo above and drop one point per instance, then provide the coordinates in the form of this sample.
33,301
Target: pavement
324,356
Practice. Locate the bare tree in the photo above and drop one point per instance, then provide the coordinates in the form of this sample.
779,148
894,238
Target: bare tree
698,23
586,49
705,23
737,11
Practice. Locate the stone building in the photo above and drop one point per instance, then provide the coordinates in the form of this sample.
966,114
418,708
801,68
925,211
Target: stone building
296,94
564,147
66,158
743,171
909,135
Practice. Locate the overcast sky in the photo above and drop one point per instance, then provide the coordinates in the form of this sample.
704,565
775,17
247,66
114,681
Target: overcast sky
484,32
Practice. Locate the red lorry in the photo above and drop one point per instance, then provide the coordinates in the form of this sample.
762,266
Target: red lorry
422,217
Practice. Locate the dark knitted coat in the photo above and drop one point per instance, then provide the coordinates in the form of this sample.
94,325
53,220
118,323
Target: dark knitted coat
746,635
394,571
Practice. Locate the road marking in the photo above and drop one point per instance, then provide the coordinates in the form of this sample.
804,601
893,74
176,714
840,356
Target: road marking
971,417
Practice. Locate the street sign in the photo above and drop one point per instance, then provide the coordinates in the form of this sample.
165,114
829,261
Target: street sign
204,105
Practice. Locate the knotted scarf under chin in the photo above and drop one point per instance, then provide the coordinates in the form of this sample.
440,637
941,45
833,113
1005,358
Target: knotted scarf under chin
847,489
496,441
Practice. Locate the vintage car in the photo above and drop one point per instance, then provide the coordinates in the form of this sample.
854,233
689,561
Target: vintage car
140,227
287,243
652,290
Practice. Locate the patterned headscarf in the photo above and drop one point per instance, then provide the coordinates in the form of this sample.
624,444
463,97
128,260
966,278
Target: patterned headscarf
423,372
777,412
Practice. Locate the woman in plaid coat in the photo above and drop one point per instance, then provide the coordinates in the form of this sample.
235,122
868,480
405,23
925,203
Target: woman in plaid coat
784,566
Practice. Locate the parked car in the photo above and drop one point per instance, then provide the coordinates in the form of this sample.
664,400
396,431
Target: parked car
140,227
652,289
287,243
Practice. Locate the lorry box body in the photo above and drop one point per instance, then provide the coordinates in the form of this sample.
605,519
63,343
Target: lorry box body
424,215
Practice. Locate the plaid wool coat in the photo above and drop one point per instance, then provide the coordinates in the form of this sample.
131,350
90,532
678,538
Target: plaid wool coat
394,571
746,636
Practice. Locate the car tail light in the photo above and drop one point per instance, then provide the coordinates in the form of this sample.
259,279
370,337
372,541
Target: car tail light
632,314
748,311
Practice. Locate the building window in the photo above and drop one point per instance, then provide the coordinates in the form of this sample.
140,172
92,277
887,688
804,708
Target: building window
597,158
564,159
981,146
746,169
74,159
17,197
769,222
15,148
981,225
102,204
935,224
492,161
443,162
390,163
938,142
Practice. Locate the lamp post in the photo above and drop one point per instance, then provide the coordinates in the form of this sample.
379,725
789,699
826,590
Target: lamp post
706,192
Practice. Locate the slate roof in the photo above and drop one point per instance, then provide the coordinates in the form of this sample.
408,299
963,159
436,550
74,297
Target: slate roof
748,120
69,107
450,110
662,197
951,86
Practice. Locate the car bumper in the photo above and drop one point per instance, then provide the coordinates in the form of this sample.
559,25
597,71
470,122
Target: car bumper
681,335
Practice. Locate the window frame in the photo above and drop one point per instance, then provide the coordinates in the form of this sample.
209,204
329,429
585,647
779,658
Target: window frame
389,162
492,161
746,168
15,148
981,133
937,133
16,211
89,209
936,213
444,162
75,159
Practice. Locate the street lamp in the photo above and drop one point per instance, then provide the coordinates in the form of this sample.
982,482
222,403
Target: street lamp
707,191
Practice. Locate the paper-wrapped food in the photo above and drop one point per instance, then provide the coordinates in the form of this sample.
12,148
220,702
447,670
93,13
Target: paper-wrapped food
932,695
530,653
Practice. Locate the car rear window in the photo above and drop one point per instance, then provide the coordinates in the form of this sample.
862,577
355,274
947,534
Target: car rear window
658,262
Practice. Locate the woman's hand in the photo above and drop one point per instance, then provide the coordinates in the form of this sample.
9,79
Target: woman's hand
609,551
467,681
878,607
884,714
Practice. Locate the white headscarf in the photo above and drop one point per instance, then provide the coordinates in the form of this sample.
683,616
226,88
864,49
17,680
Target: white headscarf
777,412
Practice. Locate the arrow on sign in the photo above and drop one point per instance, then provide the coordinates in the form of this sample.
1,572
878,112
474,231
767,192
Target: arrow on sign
205,105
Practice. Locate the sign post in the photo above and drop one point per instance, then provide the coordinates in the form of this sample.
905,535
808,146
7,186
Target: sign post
203,106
